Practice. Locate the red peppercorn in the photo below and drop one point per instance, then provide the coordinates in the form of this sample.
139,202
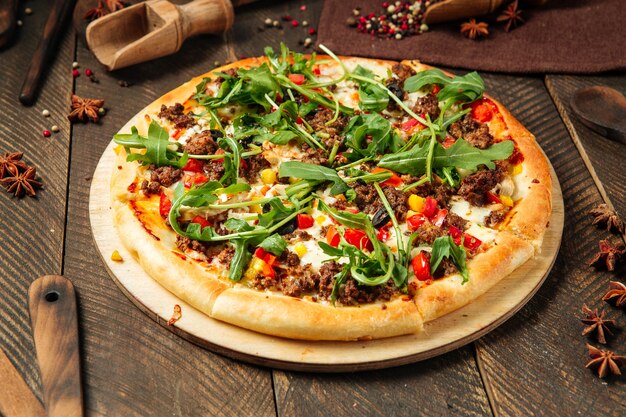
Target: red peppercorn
88,72
75,73
312,31
287,18
303,8
294,23
47,133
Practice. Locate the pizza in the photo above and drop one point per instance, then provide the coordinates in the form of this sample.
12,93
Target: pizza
329,198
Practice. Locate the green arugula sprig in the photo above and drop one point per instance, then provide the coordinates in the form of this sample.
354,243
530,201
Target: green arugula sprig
315,173
444,247
160,150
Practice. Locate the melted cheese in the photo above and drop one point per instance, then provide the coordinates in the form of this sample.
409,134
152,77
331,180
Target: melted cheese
465,210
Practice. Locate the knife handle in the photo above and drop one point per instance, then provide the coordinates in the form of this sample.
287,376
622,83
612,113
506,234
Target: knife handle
52,305
8,20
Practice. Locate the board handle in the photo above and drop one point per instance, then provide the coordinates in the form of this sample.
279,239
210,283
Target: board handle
52,306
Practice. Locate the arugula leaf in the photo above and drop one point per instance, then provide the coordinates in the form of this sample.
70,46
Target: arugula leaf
373,98
159,150
460,155
278,212
240,260
376,127
468,87
306,171
196,197
274,244
444,247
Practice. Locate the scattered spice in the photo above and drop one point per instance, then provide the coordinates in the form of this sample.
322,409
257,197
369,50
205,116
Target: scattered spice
75,65
305,23
596,322
88,72
45,113
28,10
55,128
124,84
11,163
312,31
511,16
22,183
177,315
46,133
303,8
75,73
294,23
617,292
609,255
399,19
96,12
605,361
85,109
604,216
474,29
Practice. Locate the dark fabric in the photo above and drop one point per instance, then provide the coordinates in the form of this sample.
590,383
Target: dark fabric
564,36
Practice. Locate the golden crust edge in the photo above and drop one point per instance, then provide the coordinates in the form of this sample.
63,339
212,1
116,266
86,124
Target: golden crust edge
485,270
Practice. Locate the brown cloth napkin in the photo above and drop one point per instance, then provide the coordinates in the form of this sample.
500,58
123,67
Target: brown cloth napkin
564,36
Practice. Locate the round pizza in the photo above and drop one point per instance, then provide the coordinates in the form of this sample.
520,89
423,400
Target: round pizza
329,198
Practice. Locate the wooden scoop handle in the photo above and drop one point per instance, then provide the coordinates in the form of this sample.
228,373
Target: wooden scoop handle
206,16
52,305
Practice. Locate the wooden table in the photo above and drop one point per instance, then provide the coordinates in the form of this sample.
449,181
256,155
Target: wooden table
531,365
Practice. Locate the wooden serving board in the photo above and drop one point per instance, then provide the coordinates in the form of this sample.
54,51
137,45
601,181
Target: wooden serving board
439,336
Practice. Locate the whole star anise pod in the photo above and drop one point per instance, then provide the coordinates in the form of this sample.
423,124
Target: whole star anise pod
605,216
609,255
24,183
512,15
596,322
96,12
84,109
605,361
11,164
617,291
473,29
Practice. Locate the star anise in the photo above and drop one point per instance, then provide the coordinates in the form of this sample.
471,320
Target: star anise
24,183
617,291
512,15
605,360
84,109
96,12
609,255
473,29
11,164
596,322
115,5
605,216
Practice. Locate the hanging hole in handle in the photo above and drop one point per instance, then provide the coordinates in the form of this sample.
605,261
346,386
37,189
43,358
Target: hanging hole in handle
52,296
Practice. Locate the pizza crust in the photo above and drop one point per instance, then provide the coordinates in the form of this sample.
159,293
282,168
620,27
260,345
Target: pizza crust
485,270
296,318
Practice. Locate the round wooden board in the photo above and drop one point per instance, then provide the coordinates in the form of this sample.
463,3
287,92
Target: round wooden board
439,336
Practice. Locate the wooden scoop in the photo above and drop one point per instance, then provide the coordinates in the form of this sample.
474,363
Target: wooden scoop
602,109
154,29
449,10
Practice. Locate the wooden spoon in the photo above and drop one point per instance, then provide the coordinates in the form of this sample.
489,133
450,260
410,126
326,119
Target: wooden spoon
154,29
602,109
52,305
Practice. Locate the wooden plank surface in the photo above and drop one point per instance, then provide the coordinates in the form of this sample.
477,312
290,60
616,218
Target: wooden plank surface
32,229
534,364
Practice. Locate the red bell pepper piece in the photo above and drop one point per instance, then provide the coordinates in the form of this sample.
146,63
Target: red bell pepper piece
456,234
195,180
383,233
483,110
440,217
421,267
358,238
165,205
430,207
393,181
470,242
304,221
332,236
194,165
201,221
415,221
297,79
448,141
492,198
436,89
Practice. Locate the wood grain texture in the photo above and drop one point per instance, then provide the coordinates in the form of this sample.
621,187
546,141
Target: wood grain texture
16,398
604,157
132,366
54,321
534,365
32,229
